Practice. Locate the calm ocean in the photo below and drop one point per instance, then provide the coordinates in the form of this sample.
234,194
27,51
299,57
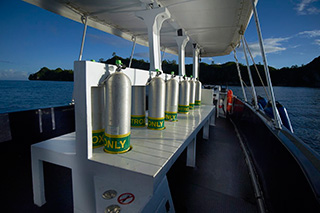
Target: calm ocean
302,103
303,108
24,95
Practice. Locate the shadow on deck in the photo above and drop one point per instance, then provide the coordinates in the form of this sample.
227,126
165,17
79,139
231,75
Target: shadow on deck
220,182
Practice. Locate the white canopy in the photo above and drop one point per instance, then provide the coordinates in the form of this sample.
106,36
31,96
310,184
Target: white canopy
213,25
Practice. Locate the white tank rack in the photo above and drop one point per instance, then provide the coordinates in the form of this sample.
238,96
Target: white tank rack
134,181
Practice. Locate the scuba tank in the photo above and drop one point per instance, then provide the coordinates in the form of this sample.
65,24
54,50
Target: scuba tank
117,111
156,102
192,92
97,110
138,106
184,96
172,93
198,93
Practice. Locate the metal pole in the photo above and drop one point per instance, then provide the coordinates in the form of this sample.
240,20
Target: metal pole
83,36
195,68
250,76
264,87
82,44
266,69
132,51
163,52
240,77
162,56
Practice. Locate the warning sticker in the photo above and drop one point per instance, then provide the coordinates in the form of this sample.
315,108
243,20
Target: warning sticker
126,198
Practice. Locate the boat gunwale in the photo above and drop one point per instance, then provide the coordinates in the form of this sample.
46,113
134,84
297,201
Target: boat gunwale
307,159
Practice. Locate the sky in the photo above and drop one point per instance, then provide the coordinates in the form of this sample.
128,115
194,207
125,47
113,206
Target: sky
32,38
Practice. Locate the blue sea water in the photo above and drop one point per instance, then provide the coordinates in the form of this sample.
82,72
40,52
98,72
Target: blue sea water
303,107
24,95
302,103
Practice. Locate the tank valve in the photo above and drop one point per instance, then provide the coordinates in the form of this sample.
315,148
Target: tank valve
120,65
158,72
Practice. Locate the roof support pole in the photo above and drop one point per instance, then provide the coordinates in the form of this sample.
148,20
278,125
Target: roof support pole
85,19
277,121
154,19
182,41
162,55
239,74
254,95
196,52
132,51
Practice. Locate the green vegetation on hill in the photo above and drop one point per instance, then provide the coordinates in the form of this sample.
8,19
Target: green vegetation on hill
227,74
46,74
303,76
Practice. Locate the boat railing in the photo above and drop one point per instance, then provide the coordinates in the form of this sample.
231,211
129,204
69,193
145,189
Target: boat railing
292,160
30,126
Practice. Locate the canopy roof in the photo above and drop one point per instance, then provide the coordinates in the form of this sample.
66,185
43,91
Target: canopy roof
213,25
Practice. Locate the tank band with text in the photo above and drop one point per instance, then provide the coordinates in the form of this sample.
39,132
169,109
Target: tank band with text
138,120
183,108
97,138
171,116
156,123
116,144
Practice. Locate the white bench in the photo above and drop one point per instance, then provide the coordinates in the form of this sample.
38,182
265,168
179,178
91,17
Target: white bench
141,171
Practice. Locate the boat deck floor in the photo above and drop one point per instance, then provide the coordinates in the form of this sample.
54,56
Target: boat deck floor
220,181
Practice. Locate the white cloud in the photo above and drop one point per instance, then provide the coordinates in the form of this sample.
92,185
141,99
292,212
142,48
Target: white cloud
7,62
271,45
310,34
276,45
305,7
142,55
303,4
11,74
295,46
313,10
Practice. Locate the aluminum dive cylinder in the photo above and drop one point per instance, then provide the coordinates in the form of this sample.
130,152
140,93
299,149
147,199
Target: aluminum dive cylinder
138,106
117,111
156,102
192,92
198,93
172,94
97,110
184,96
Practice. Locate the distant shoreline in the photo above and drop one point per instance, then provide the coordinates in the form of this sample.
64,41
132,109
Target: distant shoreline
223,74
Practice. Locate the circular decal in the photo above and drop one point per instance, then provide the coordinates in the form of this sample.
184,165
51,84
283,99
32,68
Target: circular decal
126,198
113,209
109,194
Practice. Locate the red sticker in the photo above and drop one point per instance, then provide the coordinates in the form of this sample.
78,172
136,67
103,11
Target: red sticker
126,198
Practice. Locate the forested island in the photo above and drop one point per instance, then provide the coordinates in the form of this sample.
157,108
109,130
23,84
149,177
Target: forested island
46,74
226,74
